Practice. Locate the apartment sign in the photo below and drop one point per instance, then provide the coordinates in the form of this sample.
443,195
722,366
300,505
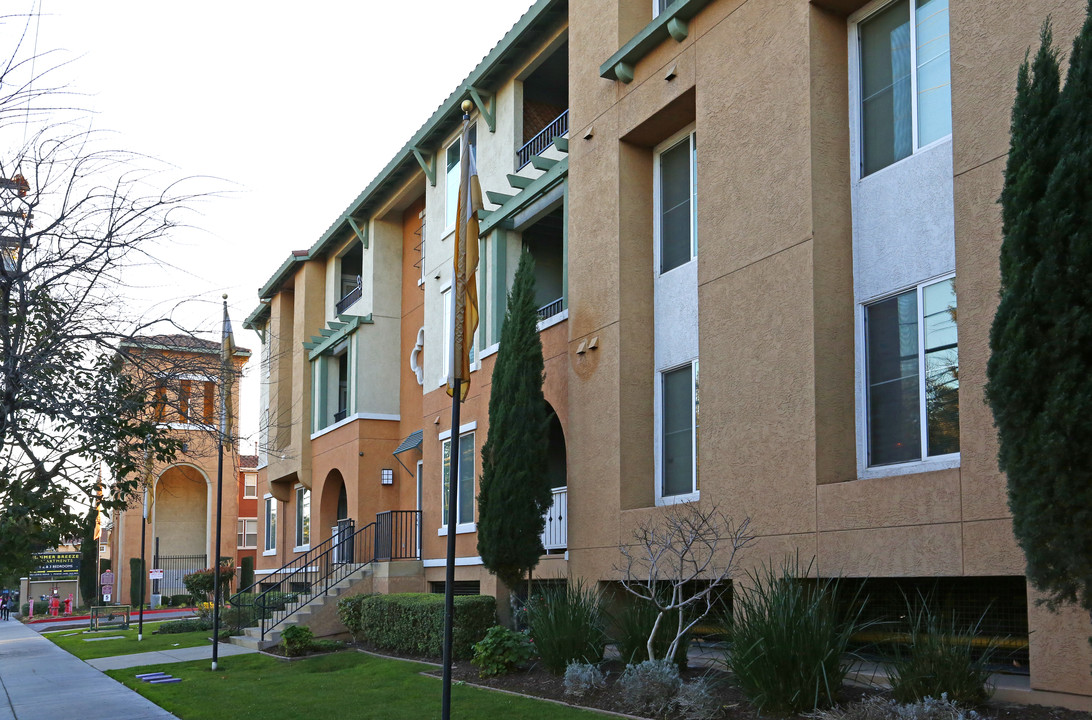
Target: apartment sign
55,565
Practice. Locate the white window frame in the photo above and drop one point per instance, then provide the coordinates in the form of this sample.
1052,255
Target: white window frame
856,111
656,10
451,213
445,437
270,511
687,134
445,331
925,463
241,533
303,523
695,397
250,486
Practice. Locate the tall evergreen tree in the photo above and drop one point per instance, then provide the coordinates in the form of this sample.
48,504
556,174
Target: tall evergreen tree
1040,368
515,487
89,575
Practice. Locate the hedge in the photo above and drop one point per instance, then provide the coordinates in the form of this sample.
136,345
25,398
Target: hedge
413,623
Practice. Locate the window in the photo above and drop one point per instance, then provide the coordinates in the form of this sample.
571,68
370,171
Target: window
247,533
209,402
250,485
303,517
659,6
905,81
342,386
270,524
185,387
676,204
445,342
678,431
913,375
465,491
451,181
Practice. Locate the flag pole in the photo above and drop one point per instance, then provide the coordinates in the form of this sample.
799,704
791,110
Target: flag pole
224,369
143,570
468,205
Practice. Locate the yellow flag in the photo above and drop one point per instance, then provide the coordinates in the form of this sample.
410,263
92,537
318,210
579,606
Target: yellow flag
464,290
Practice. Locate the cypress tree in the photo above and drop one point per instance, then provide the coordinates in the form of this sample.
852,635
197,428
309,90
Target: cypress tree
88,577
515,488
1040,368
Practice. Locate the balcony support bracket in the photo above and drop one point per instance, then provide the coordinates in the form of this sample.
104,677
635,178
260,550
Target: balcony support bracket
479,97
361,233
428,164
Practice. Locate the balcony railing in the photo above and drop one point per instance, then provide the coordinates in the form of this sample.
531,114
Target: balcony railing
350,297
340,415
550,309
557,127
556,534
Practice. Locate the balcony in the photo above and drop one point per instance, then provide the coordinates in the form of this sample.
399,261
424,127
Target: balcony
550,309
350,297
545,137
555,536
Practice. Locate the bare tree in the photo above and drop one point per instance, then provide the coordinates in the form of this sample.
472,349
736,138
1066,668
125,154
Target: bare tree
678,561
74,219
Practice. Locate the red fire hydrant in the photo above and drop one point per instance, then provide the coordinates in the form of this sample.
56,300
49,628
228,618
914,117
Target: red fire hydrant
54,606
68,604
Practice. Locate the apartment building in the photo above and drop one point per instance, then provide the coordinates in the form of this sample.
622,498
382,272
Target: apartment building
795,196
180,532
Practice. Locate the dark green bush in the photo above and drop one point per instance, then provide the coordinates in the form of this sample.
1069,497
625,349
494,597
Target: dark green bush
246,572
501,651
180,600
186,625
41,607
788,640
566,625
413,623
297,640
942,658
633,623
136,576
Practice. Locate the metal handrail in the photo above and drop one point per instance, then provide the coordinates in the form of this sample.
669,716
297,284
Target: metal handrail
557,127
550,309
312,574
350,297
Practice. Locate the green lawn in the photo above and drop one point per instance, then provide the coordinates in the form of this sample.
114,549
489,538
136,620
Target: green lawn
77,643
342,685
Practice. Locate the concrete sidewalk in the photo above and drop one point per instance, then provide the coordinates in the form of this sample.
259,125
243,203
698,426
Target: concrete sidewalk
40,680
203,652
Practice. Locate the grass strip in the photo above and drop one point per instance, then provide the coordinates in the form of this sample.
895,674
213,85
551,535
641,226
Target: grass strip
346,684
77,644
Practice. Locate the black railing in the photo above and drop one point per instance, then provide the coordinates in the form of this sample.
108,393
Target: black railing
396,535
550,309
280,594
350,297
340,415
557,127
176,567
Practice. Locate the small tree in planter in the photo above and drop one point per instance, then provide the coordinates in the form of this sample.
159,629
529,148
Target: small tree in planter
200,583
668,554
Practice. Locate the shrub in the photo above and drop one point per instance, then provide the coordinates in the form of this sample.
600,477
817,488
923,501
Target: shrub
350,610
941,660
180,600
650,686
583,678
696,700
566,625
788,640
501,651
41,607
186,625
633,624
297,640
236,618
136,575
413,623
246,572
880,708
200,583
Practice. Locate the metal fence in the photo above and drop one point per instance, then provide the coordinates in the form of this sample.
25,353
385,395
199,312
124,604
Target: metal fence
176,567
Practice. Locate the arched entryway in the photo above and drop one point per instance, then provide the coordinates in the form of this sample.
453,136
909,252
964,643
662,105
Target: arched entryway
180,542
333,503
555,536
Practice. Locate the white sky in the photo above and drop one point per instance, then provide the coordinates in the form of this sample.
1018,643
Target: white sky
293,109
